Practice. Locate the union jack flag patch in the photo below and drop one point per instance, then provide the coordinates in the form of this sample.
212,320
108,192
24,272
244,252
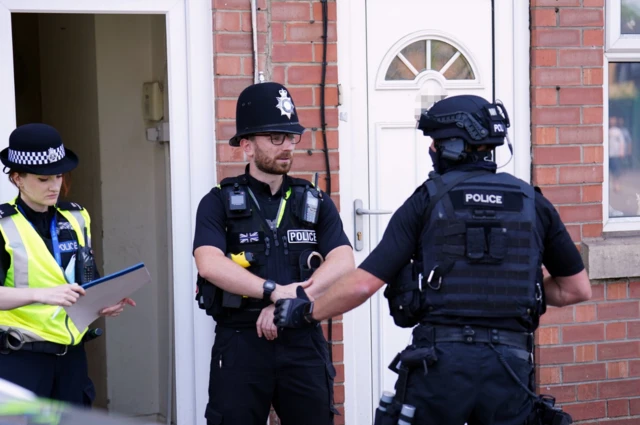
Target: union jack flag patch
249,237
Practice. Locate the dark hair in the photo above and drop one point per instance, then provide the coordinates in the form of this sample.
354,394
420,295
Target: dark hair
66,180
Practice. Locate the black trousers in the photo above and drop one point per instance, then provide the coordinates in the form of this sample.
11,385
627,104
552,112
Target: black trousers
249,374
63,378
468,384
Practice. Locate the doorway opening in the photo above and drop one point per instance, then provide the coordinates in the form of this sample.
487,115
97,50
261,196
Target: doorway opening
85,75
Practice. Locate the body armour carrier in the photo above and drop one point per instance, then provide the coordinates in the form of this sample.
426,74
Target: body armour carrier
277,248
481,254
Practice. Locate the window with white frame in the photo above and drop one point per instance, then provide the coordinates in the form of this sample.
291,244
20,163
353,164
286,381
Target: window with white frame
622,148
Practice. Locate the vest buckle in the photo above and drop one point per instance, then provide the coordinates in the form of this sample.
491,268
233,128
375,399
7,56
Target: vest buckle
469,334
437,286
66,348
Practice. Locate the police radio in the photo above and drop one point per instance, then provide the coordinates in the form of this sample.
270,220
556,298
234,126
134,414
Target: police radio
311,204
85,266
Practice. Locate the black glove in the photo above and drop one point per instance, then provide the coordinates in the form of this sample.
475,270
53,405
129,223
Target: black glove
294,312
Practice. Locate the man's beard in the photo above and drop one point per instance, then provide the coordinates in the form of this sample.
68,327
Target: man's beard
270,165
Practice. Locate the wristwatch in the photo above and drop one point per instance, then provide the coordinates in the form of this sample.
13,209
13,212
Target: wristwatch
267,289
308,313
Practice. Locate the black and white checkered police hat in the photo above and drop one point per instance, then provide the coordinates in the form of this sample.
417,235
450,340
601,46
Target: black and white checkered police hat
38,149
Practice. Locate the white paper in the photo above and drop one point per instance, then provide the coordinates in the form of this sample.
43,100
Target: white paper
105,292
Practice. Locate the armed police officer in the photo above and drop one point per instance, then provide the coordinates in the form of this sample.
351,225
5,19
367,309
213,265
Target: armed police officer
258,236
463,259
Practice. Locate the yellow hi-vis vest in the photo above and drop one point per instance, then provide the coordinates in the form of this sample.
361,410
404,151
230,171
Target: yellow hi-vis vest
33,266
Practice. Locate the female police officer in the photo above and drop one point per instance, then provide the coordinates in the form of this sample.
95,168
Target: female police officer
41,349
477,240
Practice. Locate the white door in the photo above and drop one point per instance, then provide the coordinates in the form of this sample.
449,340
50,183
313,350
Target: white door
439,49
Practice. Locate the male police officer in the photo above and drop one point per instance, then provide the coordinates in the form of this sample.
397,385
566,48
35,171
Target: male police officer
256,236
463,260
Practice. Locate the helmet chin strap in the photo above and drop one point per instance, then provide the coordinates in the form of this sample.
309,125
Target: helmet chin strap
510,150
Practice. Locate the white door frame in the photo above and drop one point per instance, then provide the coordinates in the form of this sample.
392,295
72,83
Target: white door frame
512,87
191,108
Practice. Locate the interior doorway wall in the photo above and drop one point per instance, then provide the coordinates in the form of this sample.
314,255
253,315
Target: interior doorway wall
84,75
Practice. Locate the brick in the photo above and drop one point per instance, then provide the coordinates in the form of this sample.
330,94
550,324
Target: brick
581,174
332,52
581,57
557,155
634,406
279,74
548,375
277,32
231,87
619,389
559,3
615,331
574,232
633,329
229,170
330,95
582,333
580,213
617,291
556,37
227,153
580,96
585,353
593,3
597,293
331,11
225,130
581,17
593,38
549,115
226,21
590,410
544,136
592,77
338,352
339,373
617,408
315,162
619,350
262,23
587,391
619,310
586,313
543,18
544,57
592,155
290,11
617,370
291,52
332,139
554,355
592,193
302,96
306,143
310,117
592,115
226,108
562,393
226,65
584,372
338,394
545,175
556,77
591,230
562,195
634,290
542,97
233,43
580,134
547,336
237,4
337,334
310,32
311,74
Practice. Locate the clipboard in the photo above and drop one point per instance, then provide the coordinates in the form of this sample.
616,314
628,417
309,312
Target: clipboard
105,292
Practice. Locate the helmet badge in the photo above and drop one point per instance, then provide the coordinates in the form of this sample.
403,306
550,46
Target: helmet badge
284,104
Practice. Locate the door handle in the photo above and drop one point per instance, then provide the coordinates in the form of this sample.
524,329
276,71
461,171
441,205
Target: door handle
358,212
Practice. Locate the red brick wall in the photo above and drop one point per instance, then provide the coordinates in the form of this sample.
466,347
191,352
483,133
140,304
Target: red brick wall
587,355
290,52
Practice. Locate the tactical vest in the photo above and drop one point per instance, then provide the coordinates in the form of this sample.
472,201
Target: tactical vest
33,266
481,254
280,248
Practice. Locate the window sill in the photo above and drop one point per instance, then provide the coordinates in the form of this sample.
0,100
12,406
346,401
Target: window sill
612,258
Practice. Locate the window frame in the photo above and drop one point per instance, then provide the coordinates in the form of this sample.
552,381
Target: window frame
618,48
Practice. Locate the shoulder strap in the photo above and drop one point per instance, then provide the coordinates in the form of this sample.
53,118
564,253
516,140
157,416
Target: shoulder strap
70,206
230,181
299,182
7,210
444,189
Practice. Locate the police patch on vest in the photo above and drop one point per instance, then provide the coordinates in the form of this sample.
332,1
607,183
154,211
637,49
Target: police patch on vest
473,197
68,246
493,199
302,236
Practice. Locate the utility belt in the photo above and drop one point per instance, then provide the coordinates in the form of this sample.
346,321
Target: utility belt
421,354
13,340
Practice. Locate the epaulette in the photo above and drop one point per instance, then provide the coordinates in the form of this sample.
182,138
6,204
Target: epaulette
230,181
7,210
300,182
69,206
537,189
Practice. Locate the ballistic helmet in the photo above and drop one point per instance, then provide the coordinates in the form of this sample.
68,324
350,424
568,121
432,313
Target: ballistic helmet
265,108
466,117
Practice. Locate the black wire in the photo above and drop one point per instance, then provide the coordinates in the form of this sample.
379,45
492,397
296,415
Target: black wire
323,123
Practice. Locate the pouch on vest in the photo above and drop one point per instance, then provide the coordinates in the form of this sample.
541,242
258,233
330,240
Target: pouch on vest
208,297
309,261
404,295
